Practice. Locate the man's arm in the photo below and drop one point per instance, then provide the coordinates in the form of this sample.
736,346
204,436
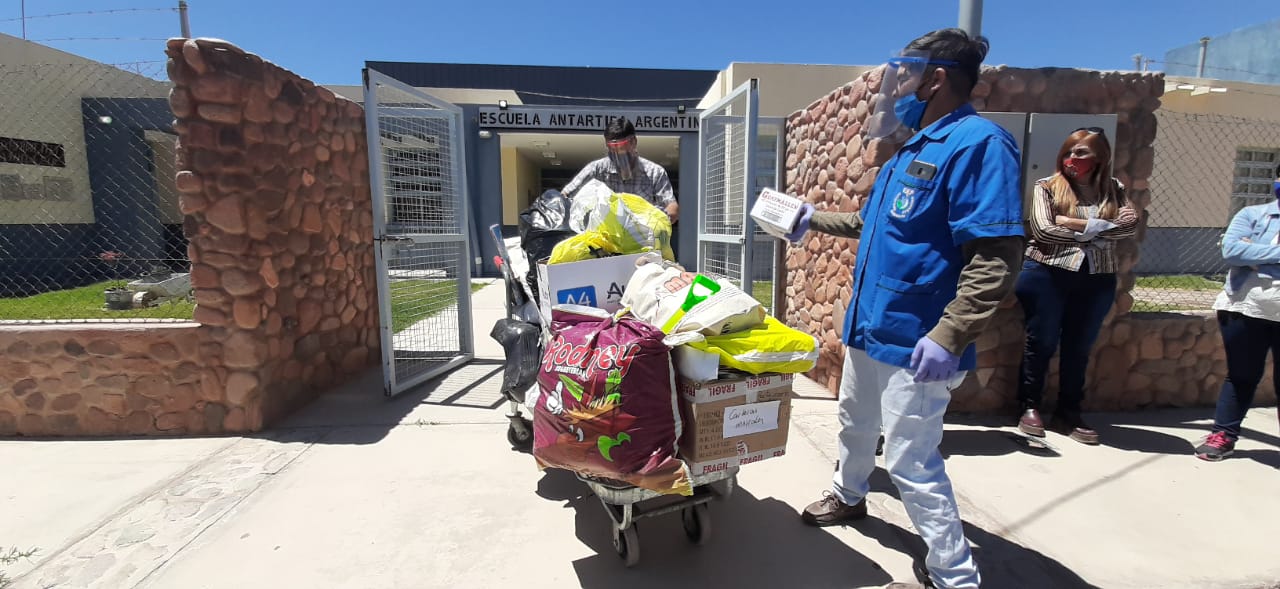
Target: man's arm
990,272
664,195
584,175
838,224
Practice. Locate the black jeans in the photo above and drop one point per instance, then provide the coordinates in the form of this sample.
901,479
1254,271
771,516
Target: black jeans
1060,306
1247,341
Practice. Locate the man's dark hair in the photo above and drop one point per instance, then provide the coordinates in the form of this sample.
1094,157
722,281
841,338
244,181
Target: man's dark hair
955,45
619,129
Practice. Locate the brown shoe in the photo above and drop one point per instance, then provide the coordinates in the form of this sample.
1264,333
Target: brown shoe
1071,424
1031,424
831,511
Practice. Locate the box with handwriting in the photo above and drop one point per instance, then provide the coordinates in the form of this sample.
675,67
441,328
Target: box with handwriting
732,422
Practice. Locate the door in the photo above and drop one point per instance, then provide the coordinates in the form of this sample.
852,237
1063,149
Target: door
421,231
727,136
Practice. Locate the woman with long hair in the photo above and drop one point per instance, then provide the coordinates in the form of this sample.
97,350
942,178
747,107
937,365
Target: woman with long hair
1068,281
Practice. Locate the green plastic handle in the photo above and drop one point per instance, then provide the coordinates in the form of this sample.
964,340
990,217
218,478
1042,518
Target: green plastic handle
692,299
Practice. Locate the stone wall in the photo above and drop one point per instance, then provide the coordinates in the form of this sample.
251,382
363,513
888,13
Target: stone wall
274,183
108,379
273,176
830,165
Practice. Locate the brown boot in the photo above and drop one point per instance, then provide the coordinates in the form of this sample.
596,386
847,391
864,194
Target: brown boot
1031,424
831,511
1070,423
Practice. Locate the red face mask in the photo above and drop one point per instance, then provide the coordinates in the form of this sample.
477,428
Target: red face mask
1078,167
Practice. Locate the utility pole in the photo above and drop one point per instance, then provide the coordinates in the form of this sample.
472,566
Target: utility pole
1204,53
182,17
971,17
23,5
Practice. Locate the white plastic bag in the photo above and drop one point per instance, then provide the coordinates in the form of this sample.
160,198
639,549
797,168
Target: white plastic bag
659,289
590,205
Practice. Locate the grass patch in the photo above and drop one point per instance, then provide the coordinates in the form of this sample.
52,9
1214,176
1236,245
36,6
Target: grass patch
417,299
1179,282
86,302
762,290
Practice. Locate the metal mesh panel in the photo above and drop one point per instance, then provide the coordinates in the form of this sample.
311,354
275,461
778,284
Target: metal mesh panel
422,232
1207,167
721,260
421,194
87,195
724,150
423,287
724,153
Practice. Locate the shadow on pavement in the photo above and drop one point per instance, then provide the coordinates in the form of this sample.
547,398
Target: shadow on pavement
1003,563
753,544
365,415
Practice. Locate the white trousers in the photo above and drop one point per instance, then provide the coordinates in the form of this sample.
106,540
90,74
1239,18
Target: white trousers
875,396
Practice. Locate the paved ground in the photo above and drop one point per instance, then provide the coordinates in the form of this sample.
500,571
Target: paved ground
424,491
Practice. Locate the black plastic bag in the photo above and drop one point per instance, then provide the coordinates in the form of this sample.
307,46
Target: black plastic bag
543,225
522,342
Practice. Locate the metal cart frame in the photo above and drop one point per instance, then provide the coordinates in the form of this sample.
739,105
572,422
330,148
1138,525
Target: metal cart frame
520,432
623,504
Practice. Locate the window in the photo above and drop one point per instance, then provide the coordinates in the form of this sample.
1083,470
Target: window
31,153
1254,173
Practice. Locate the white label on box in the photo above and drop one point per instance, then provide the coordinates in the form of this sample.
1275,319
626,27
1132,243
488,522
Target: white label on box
752,418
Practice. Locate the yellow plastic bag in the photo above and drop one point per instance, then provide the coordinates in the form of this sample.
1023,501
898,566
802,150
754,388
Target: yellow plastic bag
583,246
634,226
771,347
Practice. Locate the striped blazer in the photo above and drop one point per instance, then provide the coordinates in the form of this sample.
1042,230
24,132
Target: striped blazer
1053,245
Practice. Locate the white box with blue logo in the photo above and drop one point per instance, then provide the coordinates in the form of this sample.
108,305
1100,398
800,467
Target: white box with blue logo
593,283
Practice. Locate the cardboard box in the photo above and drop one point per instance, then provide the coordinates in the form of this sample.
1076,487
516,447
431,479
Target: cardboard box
592,283
776,212
734,422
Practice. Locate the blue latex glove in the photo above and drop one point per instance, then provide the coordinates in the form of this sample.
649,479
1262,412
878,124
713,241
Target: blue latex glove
933,362
802,224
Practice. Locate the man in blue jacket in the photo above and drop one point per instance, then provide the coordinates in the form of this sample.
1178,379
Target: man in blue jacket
940,245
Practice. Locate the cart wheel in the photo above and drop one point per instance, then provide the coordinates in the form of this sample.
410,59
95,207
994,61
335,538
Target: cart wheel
521,436
627,544
697,523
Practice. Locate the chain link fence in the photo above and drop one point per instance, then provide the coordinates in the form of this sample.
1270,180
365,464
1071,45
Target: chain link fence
1207,167
90,226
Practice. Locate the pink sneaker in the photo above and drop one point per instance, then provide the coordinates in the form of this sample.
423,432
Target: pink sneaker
1215,447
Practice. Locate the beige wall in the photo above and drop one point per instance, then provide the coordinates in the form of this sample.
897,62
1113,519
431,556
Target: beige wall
1250,101
784,88
521,180
40,101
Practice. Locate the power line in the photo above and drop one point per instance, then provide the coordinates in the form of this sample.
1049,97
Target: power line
88,12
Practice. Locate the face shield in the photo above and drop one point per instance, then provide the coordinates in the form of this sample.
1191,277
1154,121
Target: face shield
897,111
623,155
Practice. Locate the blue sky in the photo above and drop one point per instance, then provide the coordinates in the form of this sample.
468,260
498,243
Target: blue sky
329,41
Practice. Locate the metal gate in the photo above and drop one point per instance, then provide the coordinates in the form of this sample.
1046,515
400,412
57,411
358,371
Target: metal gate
421,229
727,135
768,252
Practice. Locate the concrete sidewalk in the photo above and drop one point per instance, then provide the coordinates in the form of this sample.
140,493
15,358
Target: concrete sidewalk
424,491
